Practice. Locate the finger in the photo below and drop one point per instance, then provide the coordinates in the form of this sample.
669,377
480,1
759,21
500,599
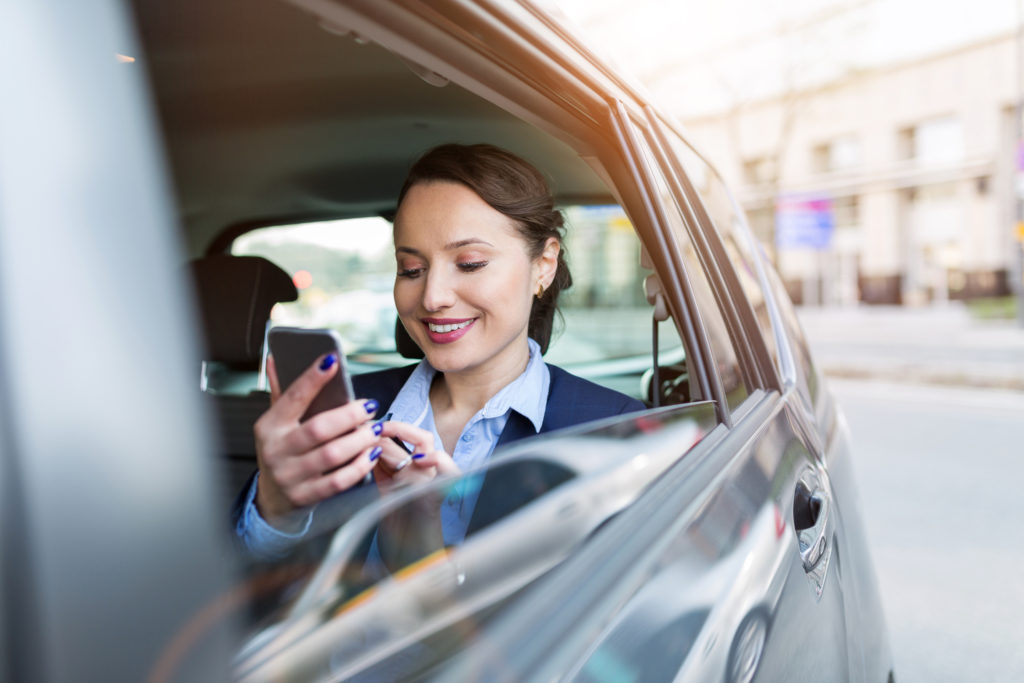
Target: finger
275,386
422,441
297,397
327,456
439,459
394,450
329,425
323,487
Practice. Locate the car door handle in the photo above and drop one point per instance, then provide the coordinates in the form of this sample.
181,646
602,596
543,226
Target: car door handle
812,520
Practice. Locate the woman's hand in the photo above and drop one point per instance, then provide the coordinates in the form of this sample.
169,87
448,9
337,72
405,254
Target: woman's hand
395,467
303,463
410,532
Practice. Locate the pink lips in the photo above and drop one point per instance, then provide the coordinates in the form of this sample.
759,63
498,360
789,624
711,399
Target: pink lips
447,337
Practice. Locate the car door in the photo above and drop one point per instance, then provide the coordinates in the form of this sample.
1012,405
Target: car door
810,405
725,567
794,596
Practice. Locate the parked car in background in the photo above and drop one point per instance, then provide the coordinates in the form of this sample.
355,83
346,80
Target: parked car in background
174,175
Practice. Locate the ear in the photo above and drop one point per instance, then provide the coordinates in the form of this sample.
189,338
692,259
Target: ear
545,265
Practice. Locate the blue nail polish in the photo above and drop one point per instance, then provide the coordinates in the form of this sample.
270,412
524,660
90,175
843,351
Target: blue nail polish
371,406
419,455
375,453
377,428
328,362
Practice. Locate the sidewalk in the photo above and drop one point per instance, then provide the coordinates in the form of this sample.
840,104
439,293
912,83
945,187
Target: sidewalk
934,345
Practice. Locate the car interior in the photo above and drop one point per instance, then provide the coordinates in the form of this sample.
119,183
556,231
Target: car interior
273,119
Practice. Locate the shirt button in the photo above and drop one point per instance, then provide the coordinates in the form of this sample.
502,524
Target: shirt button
467,437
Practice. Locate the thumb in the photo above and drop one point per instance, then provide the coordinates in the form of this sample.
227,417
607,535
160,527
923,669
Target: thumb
439,459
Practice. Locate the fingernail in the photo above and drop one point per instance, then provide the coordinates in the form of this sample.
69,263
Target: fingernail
371,406
328,362
378,427
375,453
419,455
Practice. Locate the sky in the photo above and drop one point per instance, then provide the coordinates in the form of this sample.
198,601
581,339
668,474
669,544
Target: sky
696,57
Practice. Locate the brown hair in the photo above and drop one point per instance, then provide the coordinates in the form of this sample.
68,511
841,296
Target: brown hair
513,187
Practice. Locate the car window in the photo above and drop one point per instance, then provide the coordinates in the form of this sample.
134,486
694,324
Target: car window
344,271
720,337
607,334
807,378
731,227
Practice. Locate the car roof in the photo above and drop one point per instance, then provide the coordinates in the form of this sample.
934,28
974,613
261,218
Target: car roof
272,116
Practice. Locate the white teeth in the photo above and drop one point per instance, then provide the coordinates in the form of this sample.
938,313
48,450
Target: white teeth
441,329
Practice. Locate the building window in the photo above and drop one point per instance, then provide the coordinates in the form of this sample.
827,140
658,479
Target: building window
758,171
936,141
840,154
846,210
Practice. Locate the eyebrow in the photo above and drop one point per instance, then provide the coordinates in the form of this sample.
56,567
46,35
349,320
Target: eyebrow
448,247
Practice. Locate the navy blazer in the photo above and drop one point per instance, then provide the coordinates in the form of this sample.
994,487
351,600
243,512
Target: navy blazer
572,400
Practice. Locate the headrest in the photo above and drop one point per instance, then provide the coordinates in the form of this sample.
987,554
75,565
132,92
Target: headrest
236,294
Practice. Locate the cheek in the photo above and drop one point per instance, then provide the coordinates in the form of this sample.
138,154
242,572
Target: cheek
507,292
405,296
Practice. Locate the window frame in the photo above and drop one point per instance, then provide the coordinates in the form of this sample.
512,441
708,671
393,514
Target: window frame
766,374
678,289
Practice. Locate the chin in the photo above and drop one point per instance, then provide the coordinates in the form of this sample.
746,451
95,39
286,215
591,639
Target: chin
447,361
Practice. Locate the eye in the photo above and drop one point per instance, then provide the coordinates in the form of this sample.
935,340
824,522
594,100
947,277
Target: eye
410,273
471,266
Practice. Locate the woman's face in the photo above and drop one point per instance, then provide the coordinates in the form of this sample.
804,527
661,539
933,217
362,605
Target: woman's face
465,281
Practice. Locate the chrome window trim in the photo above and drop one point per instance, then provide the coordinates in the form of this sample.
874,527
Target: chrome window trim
758,355
679,292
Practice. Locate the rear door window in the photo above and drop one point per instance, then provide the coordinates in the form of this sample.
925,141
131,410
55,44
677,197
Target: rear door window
344,271
726,218
723,340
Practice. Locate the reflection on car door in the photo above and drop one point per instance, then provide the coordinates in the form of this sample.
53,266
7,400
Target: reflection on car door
745,578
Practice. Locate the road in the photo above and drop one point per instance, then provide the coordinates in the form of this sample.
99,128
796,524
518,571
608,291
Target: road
941,473
938,345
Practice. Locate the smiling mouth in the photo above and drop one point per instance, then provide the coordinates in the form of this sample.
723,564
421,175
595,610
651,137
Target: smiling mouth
451,327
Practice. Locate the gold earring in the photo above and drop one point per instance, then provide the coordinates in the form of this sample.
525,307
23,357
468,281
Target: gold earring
540,290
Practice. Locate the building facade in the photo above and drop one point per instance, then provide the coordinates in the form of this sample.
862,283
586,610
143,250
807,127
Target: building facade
895,184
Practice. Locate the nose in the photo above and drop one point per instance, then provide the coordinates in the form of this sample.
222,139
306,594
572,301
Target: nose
438,293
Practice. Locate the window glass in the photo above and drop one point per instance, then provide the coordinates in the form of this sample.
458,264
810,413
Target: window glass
739,244
345,270
807,376
607,336
722,344
938,140
840,154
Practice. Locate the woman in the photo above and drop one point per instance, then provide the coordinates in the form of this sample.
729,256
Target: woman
478,247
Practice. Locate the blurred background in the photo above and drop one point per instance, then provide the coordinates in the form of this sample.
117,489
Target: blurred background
876,148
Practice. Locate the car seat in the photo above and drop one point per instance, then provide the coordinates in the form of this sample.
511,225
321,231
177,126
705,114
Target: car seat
235,295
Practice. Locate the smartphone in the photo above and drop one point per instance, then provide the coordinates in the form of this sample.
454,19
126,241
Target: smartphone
294,350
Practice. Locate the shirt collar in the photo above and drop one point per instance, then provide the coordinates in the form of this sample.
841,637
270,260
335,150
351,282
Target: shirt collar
527,394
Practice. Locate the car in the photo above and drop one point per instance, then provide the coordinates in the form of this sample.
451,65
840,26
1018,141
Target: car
175,177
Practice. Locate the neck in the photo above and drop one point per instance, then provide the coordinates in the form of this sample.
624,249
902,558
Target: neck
468,391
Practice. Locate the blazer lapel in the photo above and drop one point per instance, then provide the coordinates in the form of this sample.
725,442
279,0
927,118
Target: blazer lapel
516,428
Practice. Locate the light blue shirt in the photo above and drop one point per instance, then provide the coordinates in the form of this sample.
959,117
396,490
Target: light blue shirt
527,395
